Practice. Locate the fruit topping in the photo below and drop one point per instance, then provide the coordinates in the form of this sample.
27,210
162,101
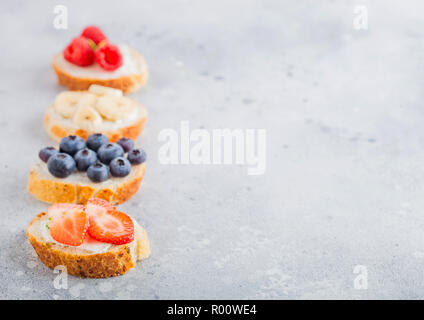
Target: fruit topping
68,223
136,156
110,151
67,102
46,153
116,108
98,172
79,52
126,143
108,57
108,224
71,145
61,165
105,91
120,167
94,33
87,118
85,158
95,140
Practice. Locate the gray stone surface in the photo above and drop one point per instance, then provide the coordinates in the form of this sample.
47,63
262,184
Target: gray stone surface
345,147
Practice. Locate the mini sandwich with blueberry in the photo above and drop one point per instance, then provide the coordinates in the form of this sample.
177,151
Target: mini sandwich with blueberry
92,59
95,241
80,169
100,109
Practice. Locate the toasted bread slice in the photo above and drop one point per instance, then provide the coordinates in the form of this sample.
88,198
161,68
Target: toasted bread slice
78,188
80,78
59,127
117,260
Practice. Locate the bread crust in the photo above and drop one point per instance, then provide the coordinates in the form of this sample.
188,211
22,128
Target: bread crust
57,190
101,265
58,132
127,83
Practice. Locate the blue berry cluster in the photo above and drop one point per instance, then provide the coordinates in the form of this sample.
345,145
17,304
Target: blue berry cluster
96,156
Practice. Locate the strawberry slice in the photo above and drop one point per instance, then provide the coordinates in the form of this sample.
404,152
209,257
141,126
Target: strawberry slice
69,223
107,224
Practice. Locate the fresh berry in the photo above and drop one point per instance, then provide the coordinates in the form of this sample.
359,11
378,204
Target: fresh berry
108,224
108,57
79,52
98,206
93,33
136,156
71,145
95,140
46,153
85,158
98,172
110,151
61,165
68,223
120,167
126,143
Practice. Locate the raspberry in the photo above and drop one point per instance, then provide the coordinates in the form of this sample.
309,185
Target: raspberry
93,33
108,57
79,52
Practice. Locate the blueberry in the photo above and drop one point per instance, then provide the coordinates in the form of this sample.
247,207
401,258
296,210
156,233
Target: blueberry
137,156
61,165
126,143
110,151
95,140
71,145
85,158
46,153
98,172
120,167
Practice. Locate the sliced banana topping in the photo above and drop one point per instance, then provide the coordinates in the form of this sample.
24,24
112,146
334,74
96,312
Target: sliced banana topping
87,118
105,91
114,108
67,102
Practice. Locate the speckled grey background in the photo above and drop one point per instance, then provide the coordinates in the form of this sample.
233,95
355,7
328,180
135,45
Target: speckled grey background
344,114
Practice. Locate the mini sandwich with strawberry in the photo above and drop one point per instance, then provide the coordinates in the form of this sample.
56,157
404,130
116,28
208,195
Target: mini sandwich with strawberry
92,59
95,241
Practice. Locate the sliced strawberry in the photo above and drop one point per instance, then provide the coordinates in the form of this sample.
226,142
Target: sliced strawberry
79,52
94,33
69,223
108,224
108,57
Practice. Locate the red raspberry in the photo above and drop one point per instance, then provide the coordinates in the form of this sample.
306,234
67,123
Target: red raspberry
108,57
93,33
79,52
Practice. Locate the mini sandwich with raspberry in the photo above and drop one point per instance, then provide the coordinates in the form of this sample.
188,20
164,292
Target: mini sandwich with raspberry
95,241
92,59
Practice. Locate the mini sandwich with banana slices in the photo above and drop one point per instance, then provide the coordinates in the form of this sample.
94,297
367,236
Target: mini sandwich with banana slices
95,241
99,109
78,170
92,59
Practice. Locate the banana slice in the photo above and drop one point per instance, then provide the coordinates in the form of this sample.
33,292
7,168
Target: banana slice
87,118
114,108
66,103
103,91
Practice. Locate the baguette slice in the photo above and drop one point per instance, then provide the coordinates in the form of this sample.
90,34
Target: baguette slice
127,81
78,188
117,260
58,127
